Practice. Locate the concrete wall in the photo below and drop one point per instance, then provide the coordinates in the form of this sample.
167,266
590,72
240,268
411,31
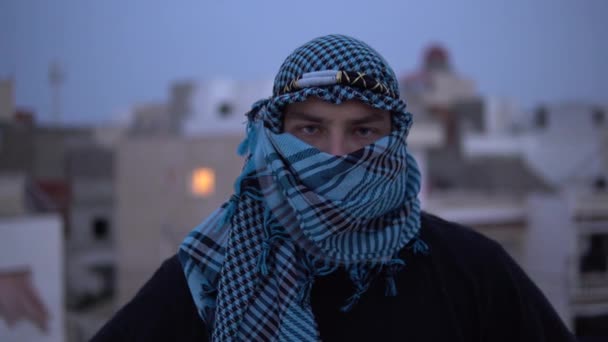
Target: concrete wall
154,206
549,250
219,106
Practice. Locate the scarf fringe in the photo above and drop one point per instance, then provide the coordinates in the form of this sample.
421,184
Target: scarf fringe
248,144
361,276
230,210
245,148
392,268
314,267
305,292
420,247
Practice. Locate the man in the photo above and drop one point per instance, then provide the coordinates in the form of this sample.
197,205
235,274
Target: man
324,237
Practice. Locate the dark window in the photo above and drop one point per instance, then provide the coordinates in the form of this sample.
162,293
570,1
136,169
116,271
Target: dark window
600,184
596,325
101,229
225,109
595,258
541,117
598,117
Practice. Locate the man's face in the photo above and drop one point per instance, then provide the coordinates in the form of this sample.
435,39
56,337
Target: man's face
336,129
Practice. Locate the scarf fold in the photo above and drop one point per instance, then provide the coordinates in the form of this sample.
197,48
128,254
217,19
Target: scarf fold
299,213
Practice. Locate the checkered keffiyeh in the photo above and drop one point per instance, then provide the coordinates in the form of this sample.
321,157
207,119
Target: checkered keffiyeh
298,213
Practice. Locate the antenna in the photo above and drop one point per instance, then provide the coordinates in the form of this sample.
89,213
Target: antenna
56,79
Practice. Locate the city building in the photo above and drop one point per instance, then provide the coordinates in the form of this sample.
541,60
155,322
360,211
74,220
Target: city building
65,172
535,182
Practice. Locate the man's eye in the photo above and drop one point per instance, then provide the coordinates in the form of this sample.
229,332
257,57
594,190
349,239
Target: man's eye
309,130
364,132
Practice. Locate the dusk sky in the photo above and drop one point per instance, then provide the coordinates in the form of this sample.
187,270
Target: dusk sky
117,53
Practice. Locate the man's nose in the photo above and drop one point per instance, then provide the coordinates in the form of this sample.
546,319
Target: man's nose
337,144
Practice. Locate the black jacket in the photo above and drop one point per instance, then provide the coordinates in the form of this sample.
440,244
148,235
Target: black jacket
466,289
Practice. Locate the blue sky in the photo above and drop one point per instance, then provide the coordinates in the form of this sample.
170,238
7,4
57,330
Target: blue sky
118,53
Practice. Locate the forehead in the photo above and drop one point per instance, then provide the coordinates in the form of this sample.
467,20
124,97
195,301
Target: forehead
315,107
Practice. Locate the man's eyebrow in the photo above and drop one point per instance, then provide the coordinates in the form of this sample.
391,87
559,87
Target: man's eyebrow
370,118
304,116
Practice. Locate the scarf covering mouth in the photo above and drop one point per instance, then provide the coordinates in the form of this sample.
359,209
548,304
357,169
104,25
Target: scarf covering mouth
298,213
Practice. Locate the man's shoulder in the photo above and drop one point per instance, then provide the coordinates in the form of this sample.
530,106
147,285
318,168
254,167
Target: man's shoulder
457,242
162,310
435,227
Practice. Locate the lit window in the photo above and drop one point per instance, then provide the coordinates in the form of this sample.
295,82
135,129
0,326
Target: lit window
203,182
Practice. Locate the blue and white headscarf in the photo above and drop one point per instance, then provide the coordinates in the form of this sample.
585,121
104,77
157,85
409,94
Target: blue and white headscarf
298,213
